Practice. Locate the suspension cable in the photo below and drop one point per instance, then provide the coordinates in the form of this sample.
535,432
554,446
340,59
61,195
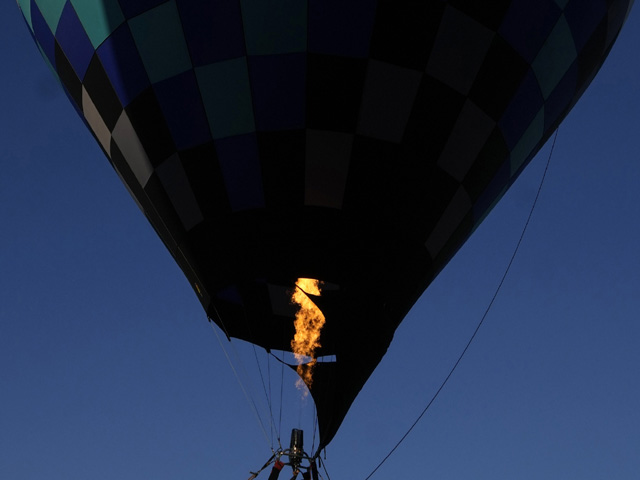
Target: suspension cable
242,366
273,425
315,427
249,398
482,319
266,394
281,394
324,467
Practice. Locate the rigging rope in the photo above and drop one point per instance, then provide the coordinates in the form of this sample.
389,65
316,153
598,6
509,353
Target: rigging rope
324,467
267,395
241,365
273,426
242,387
281,395
482,319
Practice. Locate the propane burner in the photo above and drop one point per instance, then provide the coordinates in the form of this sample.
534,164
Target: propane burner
297,457
296,448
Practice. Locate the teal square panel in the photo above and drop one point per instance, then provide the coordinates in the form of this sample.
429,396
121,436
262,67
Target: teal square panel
25,7
226,93
99,18
274,27
51,11
555,57
160,40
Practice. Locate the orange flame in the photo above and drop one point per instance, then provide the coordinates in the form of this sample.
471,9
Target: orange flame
309,321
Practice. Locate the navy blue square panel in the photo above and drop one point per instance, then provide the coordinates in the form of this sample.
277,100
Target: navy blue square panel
181,103
528,24
68,77
404,32
120,59
230,295
149,123
240,167
43,34
102,94
559,101
435,112
282,165
588,55
583,18
499,78
519,114
278,88
334,92
340,27
74,40
213,30
203,171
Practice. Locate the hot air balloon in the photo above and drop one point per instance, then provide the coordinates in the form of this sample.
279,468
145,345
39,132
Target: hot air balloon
332,140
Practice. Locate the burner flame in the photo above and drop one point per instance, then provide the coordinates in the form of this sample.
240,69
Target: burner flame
308,324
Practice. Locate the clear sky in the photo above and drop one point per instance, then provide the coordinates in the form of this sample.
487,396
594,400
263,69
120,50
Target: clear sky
109,370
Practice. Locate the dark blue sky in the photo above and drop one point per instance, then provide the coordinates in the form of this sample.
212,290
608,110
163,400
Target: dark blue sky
108,368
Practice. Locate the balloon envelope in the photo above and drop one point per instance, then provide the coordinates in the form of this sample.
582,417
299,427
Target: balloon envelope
359,142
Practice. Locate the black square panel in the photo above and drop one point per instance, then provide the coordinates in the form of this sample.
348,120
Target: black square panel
334,92
435,112
374,166
203,171
426,194
282,162
148,121
404,31
492,156
102,93
68,77
488,13
498,79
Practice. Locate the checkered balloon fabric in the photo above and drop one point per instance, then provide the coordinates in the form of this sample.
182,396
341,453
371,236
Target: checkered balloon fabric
328,139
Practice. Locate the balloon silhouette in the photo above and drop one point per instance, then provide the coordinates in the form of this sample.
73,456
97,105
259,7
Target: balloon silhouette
355,142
